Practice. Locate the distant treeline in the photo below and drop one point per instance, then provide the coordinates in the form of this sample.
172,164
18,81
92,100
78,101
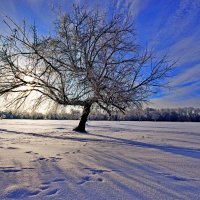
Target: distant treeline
147,114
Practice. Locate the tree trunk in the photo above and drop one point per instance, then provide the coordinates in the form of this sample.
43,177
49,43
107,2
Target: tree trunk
86,112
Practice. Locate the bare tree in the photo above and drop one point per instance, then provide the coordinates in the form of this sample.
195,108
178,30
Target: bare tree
91,59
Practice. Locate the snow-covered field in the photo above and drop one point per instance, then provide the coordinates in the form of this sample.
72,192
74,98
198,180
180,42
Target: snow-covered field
116,160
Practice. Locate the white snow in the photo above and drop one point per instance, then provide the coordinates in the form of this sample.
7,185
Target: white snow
42,160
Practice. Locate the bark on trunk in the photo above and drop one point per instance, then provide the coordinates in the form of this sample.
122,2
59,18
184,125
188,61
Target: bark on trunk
86,112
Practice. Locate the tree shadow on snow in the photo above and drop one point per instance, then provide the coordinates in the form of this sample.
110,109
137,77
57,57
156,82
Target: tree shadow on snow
183,151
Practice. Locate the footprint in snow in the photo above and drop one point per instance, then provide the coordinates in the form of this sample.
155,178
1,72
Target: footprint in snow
52,192
96,171
100,179
9,169
28,151
58,180
18,193
28,168
12,148
44,187
42,158
46,183
55,159
31,152
176,178
87,179
34,193
53,181
84,180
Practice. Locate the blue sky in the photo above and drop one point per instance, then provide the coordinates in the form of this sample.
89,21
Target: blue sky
171,26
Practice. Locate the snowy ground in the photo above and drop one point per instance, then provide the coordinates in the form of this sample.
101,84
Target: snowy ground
116,160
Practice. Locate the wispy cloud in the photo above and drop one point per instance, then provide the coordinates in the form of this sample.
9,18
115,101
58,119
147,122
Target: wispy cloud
134,6
181,96
186,49
169,26
191,74
180,38
178,22
175,103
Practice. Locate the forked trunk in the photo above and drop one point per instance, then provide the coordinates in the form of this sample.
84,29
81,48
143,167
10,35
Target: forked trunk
86,112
